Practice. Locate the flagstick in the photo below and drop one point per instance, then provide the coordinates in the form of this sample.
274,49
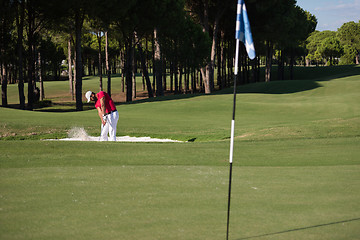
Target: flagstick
232,136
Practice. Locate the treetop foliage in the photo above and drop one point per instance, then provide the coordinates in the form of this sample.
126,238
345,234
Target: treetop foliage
342,45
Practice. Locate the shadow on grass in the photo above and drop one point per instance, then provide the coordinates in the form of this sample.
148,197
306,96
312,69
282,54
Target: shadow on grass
325,73
275,87
55,107
300,229
306,78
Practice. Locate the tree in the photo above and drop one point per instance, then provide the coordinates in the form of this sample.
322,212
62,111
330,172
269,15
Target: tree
100,24
194,37
187,47
265,19
76,11
349,36
79,16
31,27
312,23
208,14
158,64
20,9
6,12
144,68
304,25
330,48
350,54
108,72
313,43
173,12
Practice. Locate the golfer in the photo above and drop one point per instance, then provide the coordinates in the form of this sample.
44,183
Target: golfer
107,112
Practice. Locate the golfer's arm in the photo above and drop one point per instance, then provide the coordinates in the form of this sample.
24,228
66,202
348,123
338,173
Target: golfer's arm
100,113
102,103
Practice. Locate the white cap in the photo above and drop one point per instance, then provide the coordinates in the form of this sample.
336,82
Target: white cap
88,95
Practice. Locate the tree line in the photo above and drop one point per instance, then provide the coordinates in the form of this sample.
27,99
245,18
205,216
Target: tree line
334,47
184,39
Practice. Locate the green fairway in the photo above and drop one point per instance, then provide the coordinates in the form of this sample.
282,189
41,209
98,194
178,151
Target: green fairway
178,202
296,166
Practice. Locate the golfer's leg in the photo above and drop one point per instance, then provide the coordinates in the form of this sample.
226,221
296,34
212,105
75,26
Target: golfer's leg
111,130
104,132
113,125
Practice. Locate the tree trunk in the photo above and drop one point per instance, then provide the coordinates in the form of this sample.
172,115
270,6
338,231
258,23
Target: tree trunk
230,62
180,79
143,80
144,70
31,58
108,73
281,75
163,60
74,73
268,61
205,70
158,65
114,70
89,62
42,93
258,69
208,71
78,68
71,81
133,69
219,76
176,82
20,28
122,67
186,78
221,64
193,81
171,76
291,66
100,61
3,59
128,69
213,52
4,82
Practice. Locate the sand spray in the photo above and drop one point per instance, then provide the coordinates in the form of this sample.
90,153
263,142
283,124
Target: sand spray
79,133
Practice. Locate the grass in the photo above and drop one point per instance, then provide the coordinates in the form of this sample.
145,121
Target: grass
295,176
178,202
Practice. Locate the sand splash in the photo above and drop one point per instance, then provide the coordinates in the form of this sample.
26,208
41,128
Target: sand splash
78,133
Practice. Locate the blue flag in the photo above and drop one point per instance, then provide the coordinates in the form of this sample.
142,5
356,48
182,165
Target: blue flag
243,31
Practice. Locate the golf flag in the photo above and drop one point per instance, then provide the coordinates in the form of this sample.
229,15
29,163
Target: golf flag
243,31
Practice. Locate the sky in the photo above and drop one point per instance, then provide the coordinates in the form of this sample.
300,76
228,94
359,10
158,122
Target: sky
331,14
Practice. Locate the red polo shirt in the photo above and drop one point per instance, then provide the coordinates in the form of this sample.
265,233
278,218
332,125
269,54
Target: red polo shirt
109,103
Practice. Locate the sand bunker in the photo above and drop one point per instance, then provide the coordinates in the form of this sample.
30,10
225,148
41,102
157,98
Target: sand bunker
121,139
79,134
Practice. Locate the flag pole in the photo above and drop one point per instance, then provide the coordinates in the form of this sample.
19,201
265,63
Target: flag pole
243,34
232,136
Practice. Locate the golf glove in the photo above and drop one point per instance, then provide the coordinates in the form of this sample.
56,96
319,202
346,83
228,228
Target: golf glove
104,118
